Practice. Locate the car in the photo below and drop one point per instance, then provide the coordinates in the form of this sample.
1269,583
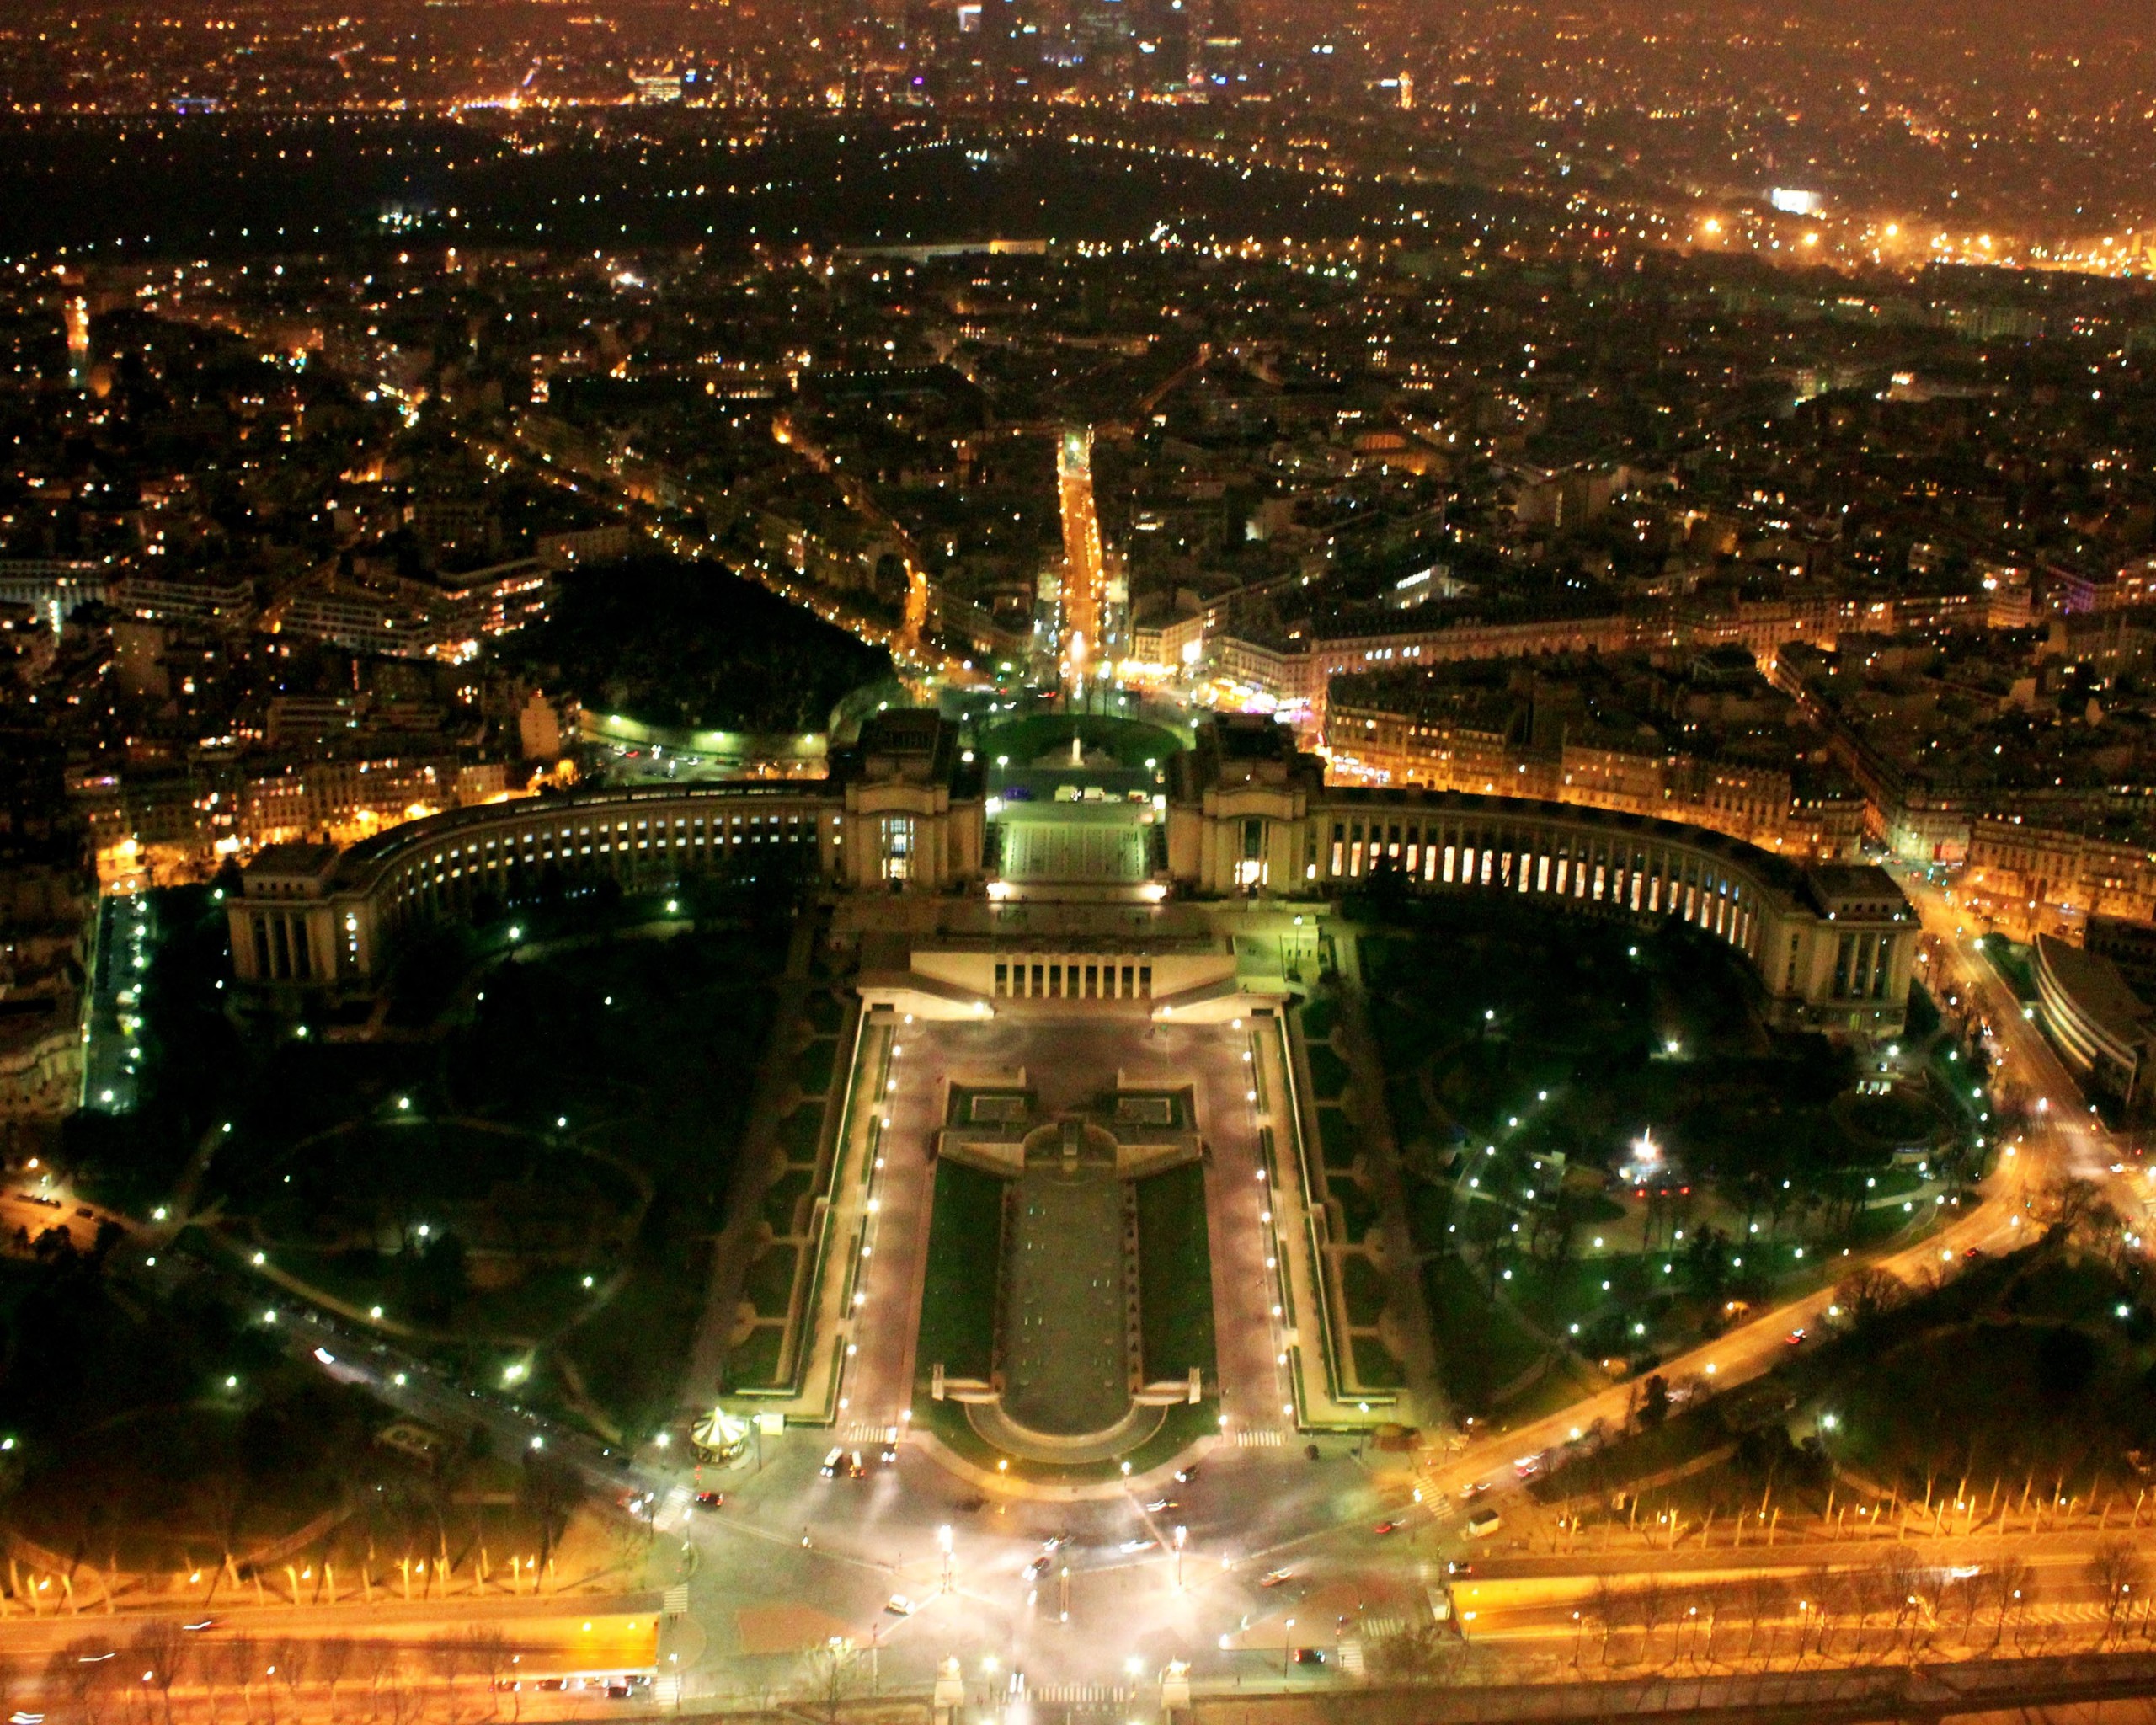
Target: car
1128,1546
1184,1476
618,1691
899,1605
1161,1505
1389,1527
1474,1491
888,1454
1039,1568
1460,1567
200,1625
1527,1466
855,1468
832,1458
1309,1656
1974,1251
1483,1523
709,1500
1055,1542
1274,1577
1794,1338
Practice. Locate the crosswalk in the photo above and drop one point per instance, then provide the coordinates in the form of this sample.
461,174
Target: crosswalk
1082,1694
1351,1657
859,1432
1260,1437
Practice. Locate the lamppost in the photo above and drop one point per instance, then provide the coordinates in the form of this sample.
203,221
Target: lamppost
943,1541
1182,1534
1287,1648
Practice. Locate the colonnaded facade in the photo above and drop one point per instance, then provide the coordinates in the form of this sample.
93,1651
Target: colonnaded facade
1238,816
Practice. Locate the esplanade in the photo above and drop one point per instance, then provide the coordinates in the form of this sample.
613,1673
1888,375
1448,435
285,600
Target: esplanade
1240,815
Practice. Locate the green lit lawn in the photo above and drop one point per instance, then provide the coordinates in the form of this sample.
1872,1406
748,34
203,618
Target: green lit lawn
1175,1274
958,1304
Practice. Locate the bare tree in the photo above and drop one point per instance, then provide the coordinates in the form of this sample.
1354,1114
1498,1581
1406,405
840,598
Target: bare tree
1964,1599
2013,1591
1762,1598
333,1658
241,1658
82,1673
1817,1609
829,1675
2117,1571
291,1658
445,1656
488,1651
1867,1589
1712,1601
1651,1605
1866,1293
1605,1609
1418,1656
158,1650
1903,1578
384,1664
2073,1203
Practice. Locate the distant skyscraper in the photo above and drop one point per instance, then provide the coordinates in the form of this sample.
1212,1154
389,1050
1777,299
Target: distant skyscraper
1223,43
1164,42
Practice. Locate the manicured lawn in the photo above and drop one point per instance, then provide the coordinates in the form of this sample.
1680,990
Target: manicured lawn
1328,1072
630,1351
770,1284
801,1131
1359,1207
813,1066
1335,1138
1375,1367
1364,1287
782,1200
1132,742
1319,1015
957,1304
1480,1347
1175,1274
753,1364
